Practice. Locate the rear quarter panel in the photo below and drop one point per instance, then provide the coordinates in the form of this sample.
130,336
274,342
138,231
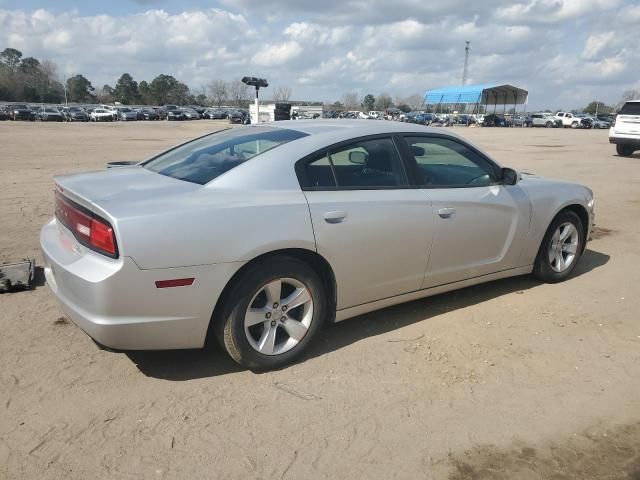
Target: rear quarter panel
211,226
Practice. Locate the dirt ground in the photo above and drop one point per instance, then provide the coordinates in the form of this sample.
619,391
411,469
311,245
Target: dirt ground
508,380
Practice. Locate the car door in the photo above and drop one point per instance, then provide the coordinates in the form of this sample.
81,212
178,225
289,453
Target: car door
480,225
374,229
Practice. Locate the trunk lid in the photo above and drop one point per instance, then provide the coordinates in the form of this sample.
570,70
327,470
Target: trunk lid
126,184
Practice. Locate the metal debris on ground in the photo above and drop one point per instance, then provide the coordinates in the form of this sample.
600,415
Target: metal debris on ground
16,276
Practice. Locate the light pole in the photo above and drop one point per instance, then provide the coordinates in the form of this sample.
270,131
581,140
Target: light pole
256,82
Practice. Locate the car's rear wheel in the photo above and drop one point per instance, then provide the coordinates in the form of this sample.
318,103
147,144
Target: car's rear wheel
561,248
272,313
624,150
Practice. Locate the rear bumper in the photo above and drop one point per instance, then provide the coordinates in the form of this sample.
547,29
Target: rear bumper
625,140
117,303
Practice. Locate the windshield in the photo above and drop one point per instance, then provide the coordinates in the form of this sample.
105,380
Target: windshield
206,158
630,108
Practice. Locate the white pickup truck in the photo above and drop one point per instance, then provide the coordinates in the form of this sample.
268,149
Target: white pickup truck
625,131
568,119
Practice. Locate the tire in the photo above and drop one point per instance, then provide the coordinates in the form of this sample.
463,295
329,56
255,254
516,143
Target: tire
547,267
624,150
249,292
549,124
596,126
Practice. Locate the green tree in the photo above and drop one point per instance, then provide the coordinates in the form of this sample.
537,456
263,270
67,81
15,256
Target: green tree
162,89
126,90
368,102
383,101
598,107
145,93
11,58
30,66
79,89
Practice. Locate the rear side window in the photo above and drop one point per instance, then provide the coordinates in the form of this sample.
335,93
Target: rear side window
630,108
206,158
358,165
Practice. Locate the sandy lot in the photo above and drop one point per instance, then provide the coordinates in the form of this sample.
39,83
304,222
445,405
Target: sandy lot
512,379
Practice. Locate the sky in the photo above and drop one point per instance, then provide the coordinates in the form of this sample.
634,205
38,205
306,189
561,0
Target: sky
566,53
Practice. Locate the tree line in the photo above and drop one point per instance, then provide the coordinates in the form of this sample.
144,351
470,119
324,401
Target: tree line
27,79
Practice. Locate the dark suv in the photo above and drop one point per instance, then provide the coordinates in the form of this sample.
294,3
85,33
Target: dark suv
21,112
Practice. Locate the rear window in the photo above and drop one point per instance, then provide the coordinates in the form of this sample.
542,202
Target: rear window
630,108
206,158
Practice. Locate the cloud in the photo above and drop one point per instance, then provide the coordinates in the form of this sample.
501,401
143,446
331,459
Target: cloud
277,54
561,50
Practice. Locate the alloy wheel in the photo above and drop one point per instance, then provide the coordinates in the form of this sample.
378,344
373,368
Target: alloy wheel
278,316
563,247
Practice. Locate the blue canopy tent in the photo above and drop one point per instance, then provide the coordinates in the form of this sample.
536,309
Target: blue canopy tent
476,95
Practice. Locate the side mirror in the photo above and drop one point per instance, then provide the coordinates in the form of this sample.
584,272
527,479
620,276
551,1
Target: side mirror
358,157
509,176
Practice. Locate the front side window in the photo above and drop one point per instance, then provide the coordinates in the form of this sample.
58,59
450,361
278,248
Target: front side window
206,158
359,165
446,163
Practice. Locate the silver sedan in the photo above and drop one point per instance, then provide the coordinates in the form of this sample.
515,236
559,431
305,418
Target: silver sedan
259,235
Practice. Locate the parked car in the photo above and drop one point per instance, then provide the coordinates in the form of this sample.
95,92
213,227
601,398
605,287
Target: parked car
126,114
112,109
599,123
425,118
49,114
162,113
585,123
214,114
190,114
148,114
568,119
259,235
101,115
21,112
198,108
625,131
238,116
176,114
516,120
75,114
542,120
493,120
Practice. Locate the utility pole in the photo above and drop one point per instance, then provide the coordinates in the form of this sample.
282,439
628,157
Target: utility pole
66,103
466,62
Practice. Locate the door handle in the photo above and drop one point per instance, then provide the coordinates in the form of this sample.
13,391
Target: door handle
335,216
446,212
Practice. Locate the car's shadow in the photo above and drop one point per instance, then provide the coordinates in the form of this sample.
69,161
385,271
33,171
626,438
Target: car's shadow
179,365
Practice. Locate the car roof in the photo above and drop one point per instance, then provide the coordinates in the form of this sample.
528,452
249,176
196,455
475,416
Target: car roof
273,169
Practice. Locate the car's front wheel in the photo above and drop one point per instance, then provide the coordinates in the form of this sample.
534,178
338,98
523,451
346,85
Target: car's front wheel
561,248
271,313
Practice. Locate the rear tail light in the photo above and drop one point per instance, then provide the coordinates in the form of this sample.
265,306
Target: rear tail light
90,230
